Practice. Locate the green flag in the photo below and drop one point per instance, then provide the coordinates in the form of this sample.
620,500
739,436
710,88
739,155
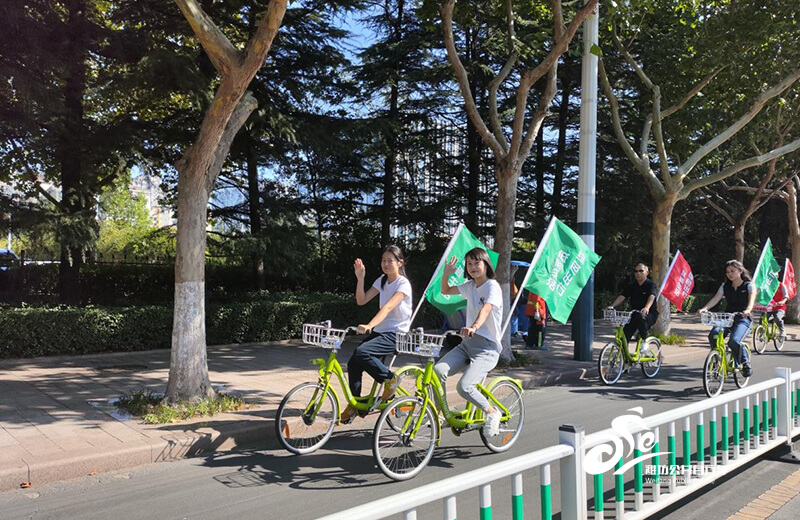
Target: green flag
560,269
766,276
459,245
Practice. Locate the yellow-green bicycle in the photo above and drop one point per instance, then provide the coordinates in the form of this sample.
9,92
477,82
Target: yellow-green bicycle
408,429
615,358
766,331
308,413
720,362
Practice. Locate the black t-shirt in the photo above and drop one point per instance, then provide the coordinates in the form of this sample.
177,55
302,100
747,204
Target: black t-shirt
737,299
638,294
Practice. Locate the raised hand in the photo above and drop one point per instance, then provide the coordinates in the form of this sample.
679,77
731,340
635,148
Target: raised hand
450,266
358,267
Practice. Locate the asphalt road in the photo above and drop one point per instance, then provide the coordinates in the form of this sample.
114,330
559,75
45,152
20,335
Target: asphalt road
266,482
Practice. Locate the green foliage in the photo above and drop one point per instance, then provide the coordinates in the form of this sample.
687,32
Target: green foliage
33,332
671,339
518,359
151,408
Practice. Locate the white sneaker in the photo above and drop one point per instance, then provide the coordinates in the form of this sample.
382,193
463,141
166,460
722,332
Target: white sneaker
492,426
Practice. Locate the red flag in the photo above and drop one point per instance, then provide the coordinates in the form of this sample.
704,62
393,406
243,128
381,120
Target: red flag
788,279
679,282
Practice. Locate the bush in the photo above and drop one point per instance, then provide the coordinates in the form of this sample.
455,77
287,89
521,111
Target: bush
31,332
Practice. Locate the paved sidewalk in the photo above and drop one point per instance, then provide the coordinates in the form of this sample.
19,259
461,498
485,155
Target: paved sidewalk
56,422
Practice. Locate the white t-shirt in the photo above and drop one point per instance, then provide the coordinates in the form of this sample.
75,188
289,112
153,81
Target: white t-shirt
488,292
399,318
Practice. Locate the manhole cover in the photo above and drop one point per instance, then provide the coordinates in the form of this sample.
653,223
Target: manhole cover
121,368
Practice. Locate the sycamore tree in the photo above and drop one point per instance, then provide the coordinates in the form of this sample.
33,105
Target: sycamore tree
703,74
531,56
198,168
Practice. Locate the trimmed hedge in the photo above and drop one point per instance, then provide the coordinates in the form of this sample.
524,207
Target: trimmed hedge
31,332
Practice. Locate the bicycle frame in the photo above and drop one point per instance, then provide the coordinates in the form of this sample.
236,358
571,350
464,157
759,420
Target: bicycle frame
329,367
622,341
458,419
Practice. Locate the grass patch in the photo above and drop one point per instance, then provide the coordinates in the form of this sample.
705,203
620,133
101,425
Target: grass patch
151,408
671,339
519,359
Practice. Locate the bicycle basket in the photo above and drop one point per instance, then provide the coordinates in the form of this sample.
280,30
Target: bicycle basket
417,343
323,335
717,319
616,317
762,308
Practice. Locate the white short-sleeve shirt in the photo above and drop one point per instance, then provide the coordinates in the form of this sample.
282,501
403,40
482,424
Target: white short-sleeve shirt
488,292
399,318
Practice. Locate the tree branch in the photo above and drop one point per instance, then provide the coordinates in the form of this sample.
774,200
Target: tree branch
736,168
223,55
257,48
729,132
643,166
240,114
446,14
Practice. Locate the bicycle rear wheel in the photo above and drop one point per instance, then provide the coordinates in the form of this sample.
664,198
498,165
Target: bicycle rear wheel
509,395
305,418
610,363
402,453
759,339
713,374
739,378
651,348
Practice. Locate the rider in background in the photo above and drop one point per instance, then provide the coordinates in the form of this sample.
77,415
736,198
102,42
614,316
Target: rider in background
642,292
778,311
740,295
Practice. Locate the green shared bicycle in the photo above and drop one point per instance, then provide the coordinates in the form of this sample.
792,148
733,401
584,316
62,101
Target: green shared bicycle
308,413
720,362
766,331
615,358
409,428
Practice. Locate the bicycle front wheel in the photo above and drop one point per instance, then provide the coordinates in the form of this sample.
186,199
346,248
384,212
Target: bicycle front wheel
509,395
779,341
401,453
610,363
305,418
651,357
713,374
738,377
760,339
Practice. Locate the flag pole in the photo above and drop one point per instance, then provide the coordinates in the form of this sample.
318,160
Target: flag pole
441,263
669,271
536,256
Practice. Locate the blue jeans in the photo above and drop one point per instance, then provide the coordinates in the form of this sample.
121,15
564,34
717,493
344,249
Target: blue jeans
368,357
737,333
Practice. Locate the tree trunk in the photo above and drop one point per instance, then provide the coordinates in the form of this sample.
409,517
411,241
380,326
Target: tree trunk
539,168
561,153
389,170
662,228
507,180
69,152
188,370
473,175
738,238
254,196
793,307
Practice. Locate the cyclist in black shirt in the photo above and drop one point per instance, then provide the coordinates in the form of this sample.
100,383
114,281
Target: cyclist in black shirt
740,295
642,293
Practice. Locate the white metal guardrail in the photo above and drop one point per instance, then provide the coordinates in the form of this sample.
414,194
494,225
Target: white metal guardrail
718,435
